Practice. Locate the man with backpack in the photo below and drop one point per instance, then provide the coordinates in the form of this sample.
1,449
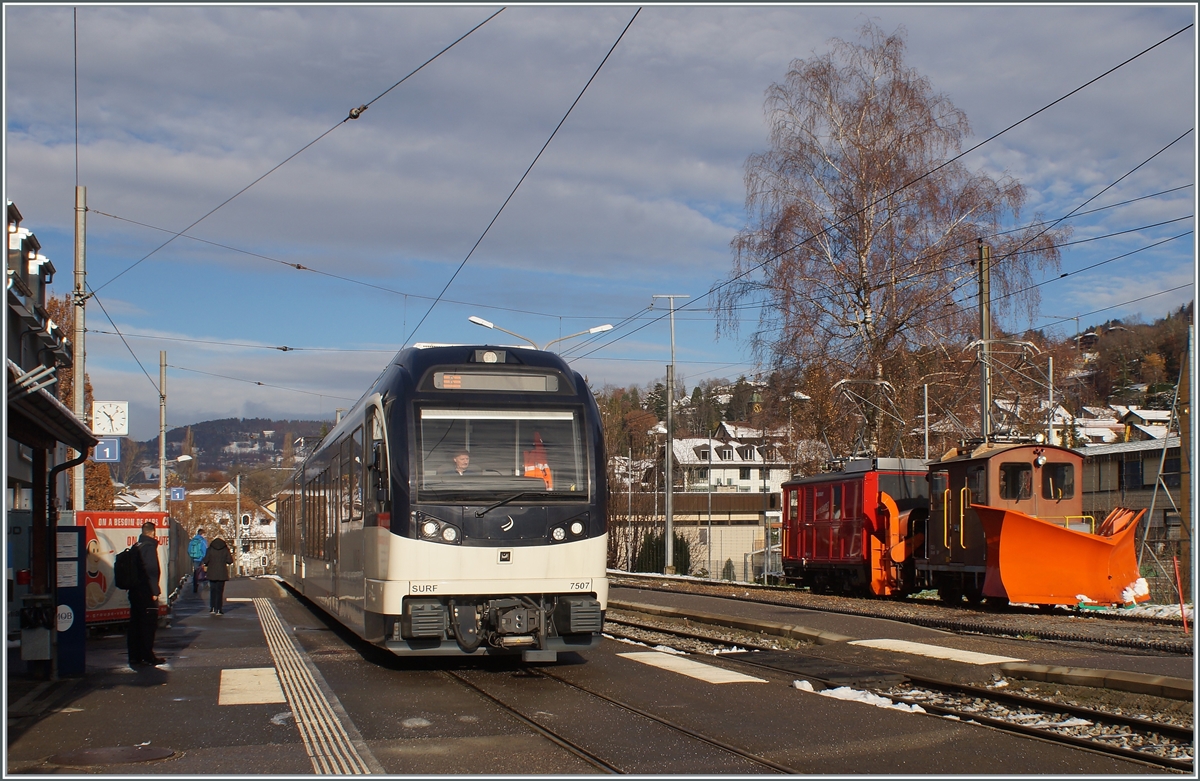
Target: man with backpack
197,547
143,600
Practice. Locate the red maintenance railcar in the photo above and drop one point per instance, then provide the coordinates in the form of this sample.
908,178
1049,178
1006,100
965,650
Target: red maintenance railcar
840,536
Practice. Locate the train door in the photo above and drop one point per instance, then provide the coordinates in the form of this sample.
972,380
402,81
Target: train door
791,521
349,531
968,543
937,541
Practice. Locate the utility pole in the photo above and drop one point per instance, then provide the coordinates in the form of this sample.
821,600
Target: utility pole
237,531
78,355
1050,424
926,418
985,333
162,431
629,511
1184,400
669,569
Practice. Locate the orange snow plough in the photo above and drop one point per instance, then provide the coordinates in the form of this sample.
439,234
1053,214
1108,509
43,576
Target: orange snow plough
1038,562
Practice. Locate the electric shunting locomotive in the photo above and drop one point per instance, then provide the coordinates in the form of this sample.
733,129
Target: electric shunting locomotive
458,508
996,520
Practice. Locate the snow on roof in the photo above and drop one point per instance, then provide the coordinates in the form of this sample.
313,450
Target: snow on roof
1130,447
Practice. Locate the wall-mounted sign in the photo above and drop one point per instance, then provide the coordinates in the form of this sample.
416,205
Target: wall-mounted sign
107,451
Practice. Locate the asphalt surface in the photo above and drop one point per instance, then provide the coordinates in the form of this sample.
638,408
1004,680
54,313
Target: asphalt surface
413,716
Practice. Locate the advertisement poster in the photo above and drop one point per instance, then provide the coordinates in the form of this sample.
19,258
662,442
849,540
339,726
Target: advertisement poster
107,533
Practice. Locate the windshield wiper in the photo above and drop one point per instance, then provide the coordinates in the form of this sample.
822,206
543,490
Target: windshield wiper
513,498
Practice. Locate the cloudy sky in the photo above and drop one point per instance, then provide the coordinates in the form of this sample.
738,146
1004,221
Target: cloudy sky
639,193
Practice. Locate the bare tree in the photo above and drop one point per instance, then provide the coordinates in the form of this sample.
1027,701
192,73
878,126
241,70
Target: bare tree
862,224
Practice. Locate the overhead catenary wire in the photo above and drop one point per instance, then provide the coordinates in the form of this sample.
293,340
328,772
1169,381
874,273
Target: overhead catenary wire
1087,240
262,384
522,179
993,263
899,189
343,278
354,114
515,310
281,348
628,319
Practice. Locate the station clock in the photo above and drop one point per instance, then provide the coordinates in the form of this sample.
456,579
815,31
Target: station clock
110,418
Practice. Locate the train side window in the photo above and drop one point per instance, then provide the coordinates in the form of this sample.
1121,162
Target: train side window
939,483
342,481
822,499
1016,481
355,467
853,499
977,483
1058,481
836,500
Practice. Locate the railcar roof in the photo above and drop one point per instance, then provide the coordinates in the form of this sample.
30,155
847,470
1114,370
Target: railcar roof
421,357
987,450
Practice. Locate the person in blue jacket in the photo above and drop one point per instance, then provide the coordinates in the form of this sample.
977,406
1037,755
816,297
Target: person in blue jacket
197,547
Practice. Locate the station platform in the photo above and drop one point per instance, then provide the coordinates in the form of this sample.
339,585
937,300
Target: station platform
165,719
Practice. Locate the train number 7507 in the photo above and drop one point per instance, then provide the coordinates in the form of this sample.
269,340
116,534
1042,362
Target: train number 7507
584,586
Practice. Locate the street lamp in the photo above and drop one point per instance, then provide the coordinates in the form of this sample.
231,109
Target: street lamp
488,324
162,477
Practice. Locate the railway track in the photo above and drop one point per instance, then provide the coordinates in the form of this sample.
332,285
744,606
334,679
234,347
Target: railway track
592,757
1154,634
1140,739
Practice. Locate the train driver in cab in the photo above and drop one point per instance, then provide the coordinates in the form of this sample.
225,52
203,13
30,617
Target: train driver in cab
462,464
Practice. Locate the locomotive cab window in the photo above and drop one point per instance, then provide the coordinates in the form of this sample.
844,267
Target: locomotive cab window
977,484
1016,481
1058,481
483,453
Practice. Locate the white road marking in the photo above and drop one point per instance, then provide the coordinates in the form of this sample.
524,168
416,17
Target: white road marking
690,668
250,686
935,652
239,599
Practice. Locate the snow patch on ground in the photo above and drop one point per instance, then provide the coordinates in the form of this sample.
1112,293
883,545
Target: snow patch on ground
666,649
855,695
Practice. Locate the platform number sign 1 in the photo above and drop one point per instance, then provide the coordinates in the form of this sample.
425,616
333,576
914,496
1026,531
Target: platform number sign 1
107,450
178,494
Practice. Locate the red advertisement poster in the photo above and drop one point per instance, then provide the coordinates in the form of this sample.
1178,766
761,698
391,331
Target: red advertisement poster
107,533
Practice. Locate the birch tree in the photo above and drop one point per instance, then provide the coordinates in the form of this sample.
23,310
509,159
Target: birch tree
862,229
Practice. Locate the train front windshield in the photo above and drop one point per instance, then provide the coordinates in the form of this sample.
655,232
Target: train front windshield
481,454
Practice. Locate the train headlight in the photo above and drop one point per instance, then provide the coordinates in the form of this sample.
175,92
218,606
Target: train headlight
450,534
576,528
558,534
429,528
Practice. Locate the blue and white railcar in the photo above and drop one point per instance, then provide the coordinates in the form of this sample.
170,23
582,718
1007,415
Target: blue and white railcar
388,528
